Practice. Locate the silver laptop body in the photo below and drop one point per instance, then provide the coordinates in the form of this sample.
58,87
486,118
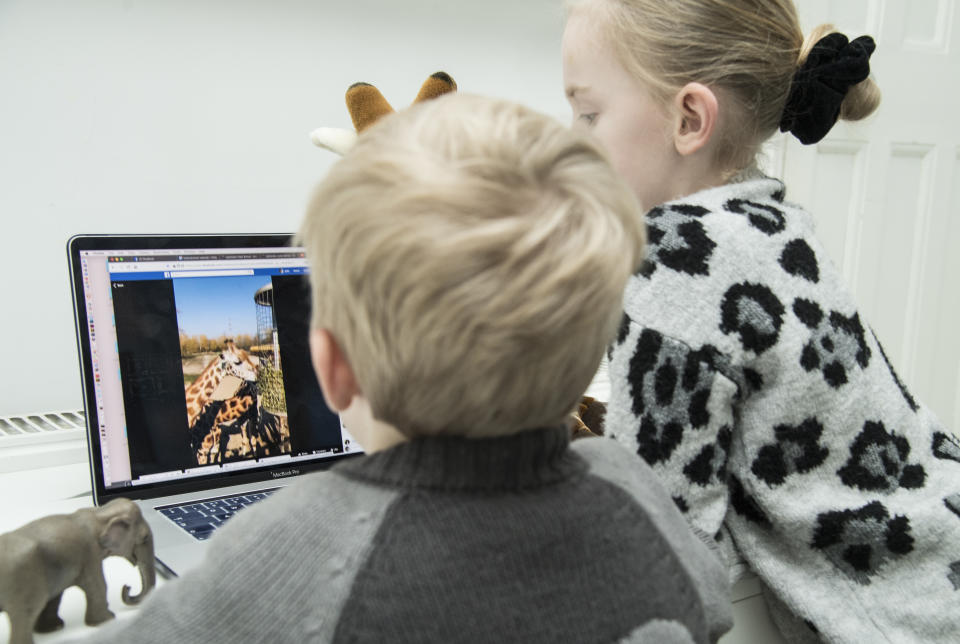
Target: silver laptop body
197,382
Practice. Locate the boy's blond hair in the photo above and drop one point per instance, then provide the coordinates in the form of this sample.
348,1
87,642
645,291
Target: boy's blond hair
469,257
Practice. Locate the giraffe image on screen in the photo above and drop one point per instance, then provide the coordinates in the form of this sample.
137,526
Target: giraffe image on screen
233,384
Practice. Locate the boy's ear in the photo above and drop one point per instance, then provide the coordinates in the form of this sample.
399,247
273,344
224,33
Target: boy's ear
337,380
697,112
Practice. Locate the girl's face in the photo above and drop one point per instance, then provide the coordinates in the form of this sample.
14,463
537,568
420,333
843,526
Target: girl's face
629,124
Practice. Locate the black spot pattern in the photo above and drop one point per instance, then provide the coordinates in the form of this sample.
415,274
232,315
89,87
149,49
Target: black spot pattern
647,268
953,503
836,345
878,462
954,575
622,332
797,450
753,378
799,260
808,312
624,329
678,240
946,446
690,210
707,466
745,505
754,313
681,504
669,386
761,216
903,390
859,542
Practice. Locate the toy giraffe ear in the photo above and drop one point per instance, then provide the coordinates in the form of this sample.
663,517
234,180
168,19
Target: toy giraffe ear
336,139
366,104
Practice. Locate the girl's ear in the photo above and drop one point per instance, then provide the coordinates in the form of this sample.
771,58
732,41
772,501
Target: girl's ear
337,381
697,112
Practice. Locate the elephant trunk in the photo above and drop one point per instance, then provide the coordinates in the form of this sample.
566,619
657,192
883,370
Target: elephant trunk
143,558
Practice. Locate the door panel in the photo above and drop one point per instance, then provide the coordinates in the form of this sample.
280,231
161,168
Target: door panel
885,192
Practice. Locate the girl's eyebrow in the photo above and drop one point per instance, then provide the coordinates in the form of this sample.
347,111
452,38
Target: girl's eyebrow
572,90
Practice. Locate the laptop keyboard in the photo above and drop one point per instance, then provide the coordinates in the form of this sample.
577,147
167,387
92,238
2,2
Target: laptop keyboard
201,518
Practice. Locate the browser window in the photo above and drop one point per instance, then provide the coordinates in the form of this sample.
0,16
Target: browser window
201,363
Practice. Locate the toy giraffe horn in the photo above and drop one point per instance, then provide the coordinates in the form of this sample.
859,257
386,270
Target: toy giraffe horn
366,104
437,85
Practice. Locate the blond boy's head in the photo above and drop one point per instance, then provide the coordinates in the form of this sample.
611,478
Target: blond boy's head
468,256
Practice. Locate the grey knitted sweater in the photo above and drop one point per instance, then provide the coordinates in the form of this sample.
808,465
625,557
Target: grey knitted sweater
744,375
523,538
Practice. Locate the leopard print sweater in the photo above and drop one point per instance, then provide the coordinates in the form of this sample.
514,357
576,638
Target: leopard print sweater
743,373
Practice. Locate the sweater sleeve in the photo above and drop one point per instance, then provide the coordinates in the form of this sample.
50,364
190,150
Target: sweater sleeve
306,541
673,404
697,552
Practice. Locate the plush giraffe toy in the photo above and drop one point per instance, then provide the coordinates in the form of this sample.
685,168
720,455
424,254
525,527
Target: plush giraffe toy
366,104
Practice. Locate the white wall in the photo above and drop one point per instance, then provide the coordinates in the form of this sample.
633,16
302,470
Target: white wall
144,116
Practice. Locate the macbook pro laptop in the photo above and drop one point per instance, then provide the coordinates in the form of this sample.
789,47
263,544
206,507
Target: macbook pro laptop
199,393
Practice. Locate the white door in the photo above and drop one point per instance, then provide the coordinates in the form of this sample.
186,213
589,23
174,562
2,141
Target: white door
886,191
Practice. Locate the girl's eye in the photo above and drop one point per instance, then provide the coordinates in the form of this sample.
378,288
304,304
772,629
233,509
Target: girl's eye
588,118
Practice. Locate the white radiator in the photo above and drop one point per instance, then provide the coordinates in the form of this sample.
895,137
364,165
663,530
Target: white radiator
41,440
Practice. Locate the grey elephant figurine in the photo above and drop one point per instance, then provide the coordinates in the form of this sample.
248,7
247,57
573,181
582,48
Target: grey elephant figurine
42,558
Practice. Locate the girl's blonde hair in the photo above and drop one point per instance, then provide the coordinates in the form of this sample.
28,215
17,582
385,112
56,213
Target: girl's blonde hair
747,51
469,256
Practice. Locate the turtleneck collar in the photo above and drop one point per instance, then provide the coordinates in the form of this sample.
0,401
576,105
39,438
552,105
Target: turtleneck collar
525,460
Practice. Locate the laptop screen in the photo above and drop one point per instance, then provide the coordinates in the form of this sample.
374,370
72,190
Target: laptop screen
196,363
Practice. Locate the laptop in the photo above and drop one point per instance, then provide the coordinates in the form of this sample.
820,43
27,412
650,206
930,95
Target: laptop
199,393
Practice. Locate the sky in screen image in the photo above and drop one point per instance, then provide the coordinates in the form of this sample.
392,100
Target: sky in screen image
215,306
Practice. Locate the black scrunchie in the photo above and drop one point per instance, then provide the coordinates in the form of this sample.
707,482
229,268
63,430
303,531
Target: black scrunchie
819,86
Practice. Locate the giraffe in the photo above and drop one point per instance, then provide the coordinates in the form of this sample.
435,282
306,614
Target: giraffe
203,400
232,361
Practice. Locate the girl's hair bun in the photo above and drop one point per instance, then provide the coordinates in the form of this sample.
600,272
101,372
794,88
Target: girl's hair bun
831,82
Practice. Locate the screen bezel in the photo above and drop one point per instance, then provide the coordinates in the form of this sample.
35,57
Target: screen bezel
220,479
